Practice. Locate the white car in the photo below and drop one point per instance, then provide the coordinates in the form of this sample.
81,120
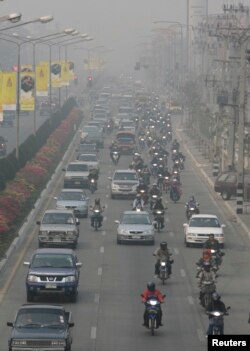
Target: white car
90,159
197,230
124,183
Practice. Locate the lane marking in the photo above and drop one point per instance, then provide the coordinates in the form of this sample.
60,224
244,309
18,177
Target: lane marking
200,334
97,298
99,271
105,218
190,300
107,195
93,333
101,249
183,273
171,234
104,232
176,251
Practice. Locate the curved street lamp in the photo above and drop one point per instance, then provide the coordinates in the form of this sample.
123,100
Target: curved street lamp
13,17
43,20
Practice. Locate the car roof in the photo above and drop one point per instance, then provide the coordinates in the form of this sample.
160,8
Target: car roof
48,306
74,190
204,216
76,163
136,212
124,170
57,211
89,154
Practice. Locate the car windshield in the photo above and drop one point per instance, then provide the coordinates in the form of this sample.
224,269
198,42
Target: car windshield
77,167
71,196
87,158
40,317
58,218
135,219
90,129
125,176
52,260
87,147
204,222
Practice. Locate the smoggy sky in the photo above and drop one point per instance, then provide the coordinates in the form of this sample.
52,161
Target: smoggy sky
119,25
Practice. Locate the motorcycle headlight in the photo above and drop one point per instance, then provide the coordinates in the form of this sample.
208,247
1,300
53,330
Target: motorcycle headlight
70,279
32,278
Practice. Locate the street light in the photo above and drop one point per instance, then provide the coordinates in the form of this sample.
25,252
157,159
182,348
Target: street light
13,17
43,20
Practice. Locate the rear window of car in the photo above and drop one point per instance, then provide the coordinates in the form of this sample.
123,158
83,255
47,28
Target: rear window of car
135,219
77,167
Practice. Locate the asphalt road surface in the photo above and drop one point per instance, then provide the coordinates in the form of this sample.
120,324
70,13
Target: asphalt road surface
108,313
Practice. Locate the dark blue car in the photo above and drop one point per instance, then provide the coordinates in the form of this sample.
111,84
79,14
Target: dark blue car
53,271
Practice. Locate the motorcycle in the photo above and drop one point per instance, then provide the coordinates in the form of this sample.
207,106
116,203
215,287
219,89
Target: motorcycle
115,155
92,185
164,270
217,257
207,288
152,313
97,218
217,320
158,216
144,195
175,193
190,210
166,184
109,129
153,200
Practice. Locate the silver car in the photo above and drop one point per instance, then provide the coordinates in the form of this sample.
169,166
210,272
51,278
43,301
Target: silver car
135,227
124,183
73,199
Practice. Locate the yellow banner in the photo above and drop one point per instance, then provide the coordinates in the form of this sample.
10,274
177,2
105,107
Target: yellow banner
56,74
9,91
26,68
65,76
93,63
1,96
42,80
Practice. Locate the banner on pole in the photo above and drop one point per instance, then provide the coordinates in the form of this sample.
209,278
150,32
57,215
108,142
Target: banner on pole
42,80
27,91
9,81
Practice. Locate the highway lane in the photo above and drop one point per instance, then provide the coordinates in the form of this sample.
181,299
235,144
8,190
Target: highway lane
108,314
26,129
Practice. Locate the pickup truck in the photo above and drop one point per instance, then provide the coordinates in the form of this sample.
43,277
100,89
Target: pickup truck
76,175
41,327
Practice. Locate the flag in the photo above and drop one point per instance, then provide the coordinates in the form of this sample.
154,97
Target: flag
9,91
42,80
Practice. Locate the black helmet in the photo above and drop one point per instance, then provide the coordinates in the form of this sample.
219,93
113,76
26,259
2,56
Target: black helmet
151,286
163,245
215,296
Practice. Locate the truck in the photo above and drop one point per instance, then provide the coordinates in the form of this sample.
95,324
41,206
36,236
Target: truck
41,327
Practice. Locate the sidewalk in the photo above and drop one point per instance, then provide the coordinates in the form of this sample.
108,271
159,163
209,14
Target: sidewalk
206,168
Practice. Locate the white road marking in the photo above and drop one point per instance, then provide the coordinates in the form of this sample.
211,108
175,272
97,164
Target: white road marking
99,271
200,334
101,249
97,298
104,232
105,218
176,251
93,333
183,273
167,220
190,300
171,234
107,195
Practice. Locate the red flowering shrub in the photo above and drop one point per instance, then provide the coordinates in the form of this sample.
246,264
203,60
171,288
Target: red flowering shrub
33,173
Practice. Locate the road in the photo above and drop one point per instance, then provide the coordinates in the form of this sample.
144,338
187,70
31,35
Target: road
26,129
108,313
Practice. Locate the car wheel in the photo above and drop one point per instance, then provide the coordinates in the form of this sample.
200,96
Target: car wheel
186,243
30,297
118,241
225,195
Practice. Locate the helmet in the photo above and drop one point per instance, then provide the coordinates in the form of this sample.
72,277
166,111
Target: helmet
191,198
207,266
154,185
215,296
97,201
211,236
163,245
151,286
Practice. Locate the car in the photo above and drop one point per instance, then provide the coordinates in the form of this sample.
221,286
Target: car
3,146
126,141
38,327
58,228
135,227
76,175
73,199
197,230
226,185
94,135
96,123
91,160
127,125
124,183
53,271
86,148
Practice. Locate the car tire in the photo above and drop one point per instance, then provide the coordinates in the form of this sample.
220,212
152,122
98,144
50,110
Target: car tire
225,195
30,297
118,241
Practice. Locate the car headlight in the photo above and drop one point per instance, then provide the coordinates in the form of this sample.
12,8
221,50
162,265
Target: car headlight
191,234
59,206
115,187
70,279
149,232
134,187
32,278
122,232
18,342
43,232
71,232
58,343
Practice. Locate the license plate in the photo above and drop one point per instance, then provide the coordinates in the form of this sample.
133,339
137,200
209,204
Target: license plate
135,236
56,240
50,286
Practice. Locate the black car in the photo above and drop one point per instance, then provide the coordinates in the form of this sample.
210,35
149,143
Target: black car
41,327
53,271
226,185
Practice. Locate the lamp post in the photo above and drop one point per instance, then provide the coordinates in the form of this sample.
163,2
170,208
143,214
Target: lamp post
44,20
13,17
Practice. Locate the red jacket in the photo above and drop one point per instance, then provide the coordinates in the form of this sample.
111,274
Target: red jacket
146,294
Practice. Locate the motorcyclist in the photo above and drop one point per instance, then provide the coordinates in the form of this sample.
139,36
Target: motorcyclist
159,206
192,203
205,275
175,145
163,253
97,206
138,203
212,243
206,257
151,291
217,305
146,174
114,147
154,191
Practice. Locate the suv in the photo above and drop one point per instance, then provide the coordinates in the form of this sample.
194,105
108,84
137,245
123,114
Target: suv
76,175
124,183
58,228
3,146
53,271
41,327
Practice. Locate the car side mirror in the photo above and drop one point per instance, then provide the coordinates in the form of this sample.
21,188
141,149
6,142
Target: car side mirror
223,226
185,225
55,198
116,221
10,324
27,264
71,324
38,222
79,264
64,170
109,178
